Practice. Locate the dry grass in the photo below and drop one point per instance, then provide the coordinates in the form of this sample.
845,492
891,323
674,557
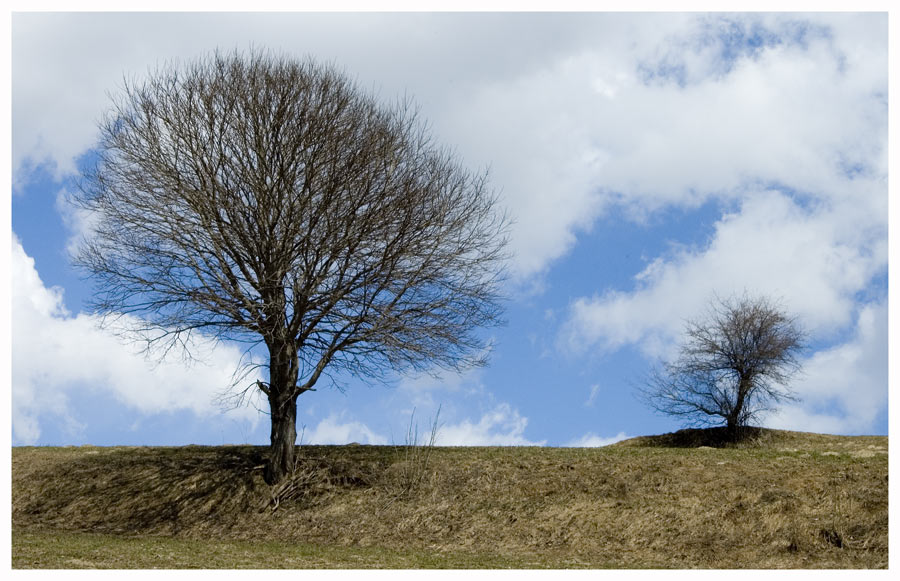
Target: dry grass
785,500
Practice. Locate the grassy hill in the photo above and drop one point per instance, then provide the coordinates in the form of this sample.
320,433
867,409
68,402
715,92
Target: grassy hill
785,500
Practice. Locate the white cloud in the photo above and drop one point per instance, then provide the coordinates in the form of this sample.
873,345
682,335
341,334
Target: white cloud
595,390
801,115
332,431
814,260
81,223
63,69
791,112
592,440
502,426
427,391
423,399
843,390
559,105
56,355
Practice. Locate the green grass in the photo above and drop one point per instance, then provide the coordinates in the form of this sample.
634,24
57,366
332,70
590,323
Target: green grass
784,500
78,550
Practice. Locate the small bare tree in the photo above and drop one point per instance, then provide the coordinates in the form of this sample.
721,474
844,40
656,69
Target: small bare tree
733,365
260,199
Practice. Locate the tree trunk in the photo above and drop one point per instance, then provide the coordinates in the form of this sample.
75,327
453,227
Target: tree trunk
283,438
732,428
282,394
734,418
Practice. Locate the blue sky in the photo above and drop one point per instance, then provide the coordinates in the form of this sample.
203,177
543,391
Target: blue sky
649,161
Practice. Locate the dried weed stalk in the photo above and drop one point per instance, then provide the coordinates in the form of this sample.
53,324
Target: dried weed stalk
412,469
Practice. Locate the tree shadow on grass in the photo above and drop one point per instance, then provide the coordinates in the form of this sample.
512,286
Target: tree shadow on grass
192,489
144,489
717,437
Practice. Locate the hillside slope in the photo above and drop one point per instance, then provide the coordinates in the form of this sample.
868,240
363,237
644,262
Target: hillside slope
789,500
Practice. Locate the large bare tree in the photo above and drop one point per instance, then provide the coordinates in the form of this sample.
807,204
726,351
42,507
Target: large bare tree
733,365
256,198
